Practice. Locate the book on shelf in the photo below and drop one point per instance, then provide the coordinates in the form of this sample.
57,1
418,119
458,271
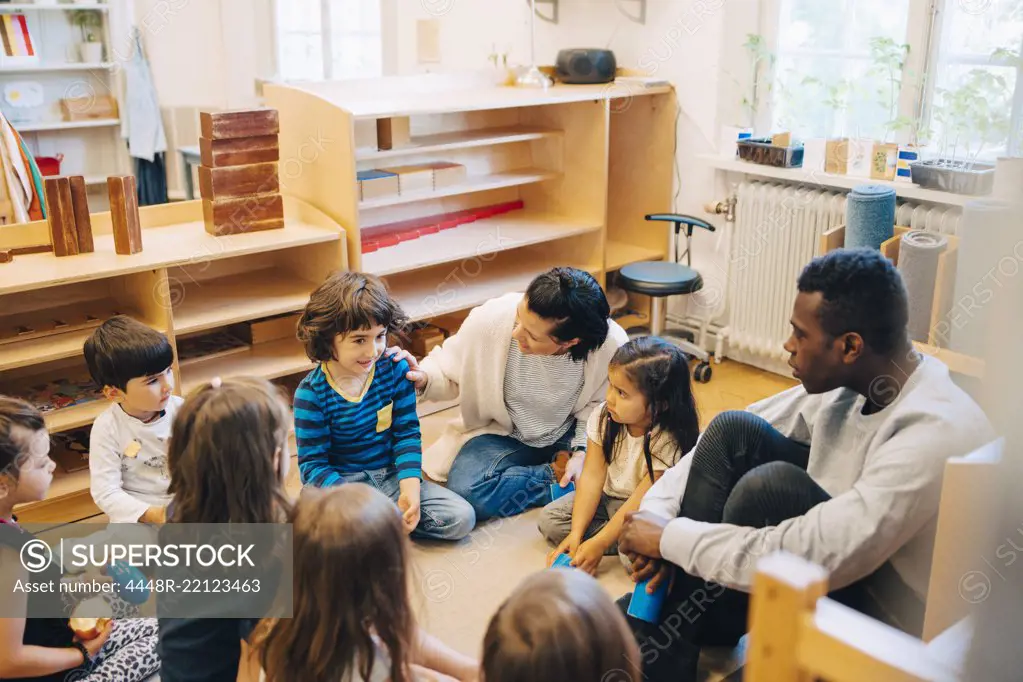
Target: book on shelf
49,395
18,46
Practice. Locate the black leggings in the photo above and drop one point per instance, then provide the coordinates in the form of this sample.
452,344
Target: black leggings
746,473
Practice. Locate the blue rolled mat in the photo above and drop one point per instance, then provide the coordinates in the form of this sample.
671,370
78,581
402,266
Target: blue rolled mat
869,216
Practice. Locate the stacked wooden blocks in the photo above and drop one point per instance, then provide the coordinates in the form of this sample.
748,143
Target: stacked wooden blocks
238,178
67,214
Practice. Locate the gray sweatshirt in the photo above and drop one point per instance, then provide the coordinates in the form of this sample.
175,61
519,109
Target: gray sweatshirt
883,472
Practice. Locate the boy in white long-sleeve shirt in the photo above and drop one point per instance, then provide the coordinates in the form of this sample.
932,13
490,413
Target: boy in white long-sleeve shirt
128,445
844,470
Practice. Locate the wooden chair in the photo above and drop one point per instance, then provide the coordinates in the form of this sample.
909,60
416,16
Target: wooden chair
797,635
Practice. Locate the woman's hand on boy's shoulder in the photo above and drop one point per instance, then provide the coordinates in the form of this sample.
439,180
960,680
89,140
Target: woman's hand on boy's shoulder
415,375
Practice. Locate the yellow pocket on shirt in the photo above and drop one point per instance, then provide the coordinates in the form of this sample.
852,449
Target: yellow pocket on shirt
384,417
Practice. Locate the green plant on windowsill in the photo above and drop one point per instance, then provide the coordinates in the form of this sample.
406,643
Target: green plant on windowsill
89,22
761,67
889,61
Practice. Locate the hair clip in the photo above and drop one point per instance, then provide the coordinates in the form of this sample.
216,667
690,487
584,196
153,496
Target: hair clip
216,382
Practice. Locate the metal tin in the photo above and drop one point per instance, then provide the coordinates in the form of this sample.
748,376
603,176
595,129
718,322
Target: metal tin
974,178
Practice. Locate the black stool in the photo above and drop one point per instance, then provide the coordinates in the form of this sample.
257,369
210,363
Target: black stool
660,279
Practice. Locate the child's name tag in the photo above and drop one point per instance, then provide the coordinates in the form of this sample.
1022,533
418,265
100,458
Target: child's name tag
133,449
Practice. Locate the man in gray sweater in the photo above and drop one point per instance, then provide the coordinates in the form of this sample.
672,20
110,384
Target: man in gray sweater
844,470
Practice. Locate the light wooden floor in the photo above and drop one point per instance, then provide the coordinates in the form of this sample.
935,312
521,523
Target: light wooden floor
457,587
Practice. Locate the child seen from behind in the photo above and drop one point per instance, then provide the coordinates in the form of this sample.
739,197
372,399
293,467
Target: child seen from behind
360,627
647,423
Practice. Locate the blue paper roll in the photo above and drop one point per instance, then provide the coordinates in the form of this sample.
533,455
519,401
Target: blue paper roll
562,561
647,606
869,216
557,491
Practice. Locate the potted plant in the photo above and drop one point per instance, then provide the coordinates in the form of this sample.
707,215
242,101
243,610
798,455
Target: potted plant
835,97
977,112
90,24
761,66
889,60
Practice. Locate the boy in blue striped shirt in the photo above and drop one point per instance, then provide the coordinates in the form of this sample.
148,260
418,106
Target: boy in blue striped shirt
355,414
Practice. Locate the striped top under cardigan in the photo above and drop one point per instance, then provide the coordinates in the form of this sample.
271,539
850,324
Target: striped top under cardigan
340,435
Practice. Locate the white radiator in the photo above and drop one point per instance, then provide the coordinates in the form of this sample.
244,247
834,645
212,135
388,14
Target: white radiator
776,233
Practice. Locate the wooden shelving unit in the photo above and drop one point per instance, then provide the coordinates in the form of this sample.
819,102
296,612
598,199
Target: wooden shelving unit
586,167
184,282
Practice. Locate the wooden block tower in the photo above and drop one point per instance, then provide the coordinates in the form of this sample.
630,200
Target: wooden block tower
238,178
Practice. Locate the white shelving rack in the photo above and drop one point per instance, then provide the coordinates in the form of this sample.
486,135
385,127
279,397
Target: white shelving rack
93,148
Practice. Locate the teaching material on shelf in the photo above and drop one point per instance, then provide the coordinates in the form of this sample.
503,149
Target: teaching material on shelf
269,329
60,215
424,339
124,214
883,161
439,143
376,184
92,108
209,346
393,133
226,125
80,208
237,215
6,256
412,177
61,320
238,180
391,234
238,151
57,393
71,450
447,173
473,184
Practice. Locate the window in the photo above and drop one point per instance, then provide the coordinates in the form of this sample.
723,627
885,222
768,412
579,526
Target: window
885,70
350,47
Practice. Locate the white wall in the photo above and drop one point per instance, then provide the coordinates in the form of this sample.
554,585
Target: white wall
695,44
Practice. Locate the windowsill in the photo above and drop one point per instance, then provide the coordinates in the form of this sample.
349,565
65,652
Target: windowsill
820,179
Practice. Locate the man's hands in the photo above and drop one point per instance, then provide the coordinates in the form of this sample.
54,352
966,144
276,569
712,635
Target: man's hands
408,502
654,570
415,375
641,534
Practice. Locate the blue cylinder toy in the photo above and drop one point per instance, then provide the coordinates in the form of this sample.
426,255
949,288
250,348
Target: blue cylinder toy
563,561
125,575
646,606
557,491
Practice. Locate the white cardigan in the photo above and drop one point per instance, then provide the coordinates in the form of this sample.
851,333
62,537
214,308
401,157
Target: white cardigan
470,366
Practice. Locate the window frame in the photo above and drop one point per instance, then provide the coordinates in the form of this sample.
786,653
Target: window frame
327,37
917,96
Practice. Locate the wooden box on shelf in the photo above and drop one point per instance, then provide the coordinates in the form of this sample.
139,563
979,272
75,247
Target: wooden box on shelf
88,108
268,329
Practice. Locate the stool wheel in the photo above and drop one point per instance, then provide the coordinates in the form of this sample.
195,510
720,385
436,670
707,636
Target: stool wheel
703,372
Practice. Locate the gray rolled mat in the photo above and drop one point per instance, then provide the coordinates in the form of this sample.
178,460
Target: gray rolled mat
918,264
869,216
990,254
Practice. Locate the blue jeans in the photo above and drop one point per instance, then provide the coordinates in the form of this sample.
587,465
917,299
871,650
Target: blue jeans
500,476
443,514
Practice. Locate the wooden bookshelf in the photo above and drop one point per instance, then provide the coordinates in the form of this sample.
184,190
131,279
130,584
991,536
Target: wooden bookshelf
586,167
184,281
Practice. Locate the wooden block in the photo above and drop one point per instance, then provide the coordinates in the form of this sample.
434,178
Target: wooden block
781,139
413,177
83,222
124,214
27,250
244,214
60,216
374,184
446,174
229,125
269,329
239,151
238,181
393,133
6,256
